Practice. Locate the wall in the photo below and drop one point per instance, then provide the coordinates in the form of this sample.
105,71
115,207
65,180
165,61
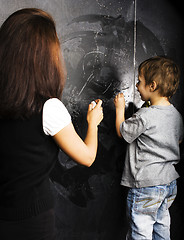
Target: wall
101,54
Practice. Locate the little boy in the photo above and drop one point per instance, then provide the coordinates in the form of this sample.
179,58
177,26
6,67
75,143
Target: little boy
153,134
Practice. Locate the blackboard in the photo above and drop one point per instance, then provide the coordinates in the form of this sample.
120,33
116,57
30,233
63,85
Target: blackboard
101,55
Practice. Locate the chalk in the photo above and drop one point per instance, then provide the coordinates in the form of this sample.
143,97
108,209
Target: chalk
93,104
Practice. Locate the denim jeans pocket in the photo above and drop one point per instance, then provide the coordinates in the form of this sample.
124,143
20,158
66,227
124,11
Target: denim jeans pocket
172,193
147,200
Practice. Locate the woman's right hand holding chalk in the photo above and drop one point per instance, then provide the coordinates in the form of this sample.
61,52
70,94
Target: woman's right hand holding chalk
95,112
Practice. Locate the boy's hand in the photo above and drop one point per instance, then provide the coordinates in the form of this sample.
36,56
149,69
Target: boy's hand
119,101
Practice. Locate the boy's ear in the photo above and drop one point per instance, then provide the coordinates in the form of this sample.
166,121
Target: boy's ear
153,86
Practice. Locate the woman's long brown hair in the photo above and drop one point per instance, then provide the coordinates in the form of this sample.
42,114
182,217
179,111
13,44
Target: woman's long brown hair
31,66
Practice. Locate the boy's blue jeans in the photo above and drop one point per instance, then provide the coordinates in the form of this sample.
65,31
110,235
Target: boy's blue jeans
148,214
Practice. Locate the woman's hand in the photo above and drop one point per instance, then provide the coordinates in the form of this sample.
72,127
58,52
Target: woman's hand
95,114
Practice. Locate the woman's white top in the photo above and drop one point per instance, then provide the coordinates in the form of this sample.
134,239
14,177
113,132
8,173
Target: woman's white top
55,116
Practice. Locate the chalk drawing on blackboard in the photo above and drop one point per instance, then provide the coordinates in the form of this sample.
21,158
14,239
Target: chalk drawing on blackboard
99,64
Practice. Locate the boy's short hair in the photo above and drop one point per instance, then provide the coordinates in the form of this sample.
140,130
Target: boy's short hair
164,71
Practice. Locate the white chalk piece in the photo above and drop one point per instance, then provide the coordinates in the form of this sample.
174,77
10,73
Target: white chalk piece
93,104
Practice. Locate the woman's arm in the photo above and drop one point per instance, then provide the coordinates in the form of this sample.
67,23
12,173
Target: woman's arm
83,152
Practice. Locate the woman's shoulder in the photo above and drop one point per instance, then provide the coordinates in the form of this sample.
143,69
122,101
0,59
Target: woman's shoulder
53,101
55,116
54,105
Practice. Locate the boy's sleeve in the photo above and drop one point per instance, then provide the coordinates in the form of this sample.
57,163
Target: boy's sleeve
132,128
181,130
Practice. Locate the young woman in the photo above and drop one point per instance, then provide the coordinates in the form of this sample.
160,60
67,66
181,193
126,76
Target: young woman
34,124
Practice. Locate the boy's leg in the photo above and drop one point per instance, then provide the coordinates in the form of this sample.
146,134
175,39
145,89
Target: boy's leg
142,207
161,229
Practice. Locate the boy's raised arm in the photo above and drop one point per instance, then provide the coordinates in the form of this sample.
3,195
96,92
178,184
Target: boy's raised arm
119,102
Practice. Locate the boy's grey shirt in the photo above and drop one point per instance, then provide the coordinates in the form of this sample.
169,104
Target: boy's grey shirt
153,135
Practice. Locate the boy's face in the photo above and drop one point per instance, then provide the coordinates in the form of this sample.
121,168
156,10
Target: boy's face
143,89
